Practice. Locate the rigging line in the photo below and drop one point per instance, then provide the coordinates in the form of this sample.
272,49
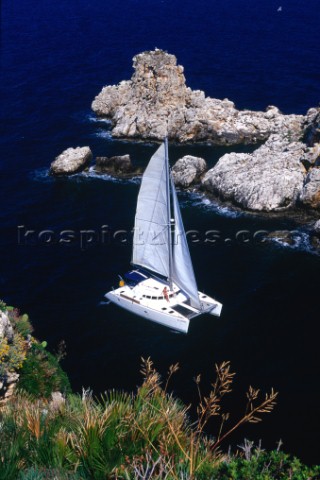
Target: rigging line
169,211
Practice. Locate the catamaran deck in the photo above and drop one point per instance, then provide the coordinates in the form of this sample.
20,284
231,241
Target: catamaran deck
148,299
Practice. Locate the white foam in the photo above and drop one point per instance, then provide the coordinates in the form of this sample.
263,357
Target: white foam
301,242
104,303
41,175
101,133
94,119
197,199
93,174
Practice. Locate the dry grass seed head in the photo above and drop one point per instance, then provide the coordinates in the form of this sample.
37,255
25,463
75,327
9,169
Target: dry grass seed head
266,406
224,379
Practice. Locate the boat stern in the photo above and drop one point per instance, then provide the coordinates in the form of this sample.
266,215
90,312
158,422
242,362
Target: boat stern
216,309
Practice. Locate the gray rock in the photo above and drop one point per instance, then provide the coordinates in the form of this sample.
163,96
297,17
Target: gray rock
316,226
187,170
269,179
114,165
311,126
12,378
70,161
7,386
310,195
311,157
156,102
57,401
6,329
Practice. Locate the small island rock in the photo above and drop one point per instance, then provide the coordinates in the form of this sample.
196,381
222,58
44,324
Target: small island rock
156,102
70,161
187,170
114,165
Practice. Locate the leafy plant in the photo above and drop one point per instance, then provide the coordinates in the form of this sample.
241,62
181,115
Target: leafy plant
41,373
12,354
23,325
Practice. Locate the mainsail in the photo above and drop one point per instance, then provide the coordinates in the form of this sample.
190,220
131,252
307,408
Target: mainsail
152,245
182,269
151,248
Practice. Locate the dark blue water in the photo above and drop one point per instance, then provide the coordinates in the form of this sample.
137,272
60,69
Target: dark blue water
55,57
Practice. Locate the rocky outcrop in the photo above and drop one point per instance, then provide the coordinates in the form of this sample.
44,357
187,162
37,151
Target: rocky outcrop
117,165
310,195
269,179
7,386
281,174
6,330
157,102
188,170
8,379
70,161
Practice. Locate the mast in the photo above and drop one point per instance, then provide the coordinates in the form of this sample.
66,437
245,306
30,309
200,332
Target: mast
169,211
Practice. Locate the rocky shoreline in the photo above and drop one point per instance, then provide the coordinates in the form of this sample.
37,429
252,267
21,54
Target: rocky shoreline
281,175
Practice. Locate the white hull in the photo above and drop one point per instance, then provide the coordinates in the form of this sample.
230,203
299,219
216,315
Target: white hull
147,300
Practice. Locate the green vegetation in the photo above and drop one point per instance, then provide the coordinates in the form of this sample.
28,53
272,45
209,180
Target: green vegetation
146,435
39,371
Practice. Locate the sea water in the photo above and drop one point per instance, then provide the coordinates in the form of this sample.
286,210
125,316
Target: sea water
55,57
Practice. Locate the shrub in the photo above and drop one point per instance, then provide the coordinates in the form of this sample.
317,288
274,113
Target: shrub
41,373
17,352
12,355
147,435
23,325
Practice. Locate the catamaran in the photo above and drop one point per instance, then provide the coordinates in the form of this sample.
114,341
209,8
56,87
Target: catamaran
161,285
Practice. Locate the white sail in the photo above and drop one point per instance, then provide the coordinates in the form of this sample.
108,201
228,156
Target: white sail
182,269
151,246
